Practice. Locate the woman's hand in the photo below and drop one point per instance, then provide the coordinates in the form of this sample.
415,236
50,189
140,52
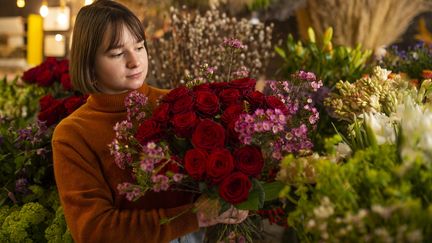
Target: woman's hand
208,213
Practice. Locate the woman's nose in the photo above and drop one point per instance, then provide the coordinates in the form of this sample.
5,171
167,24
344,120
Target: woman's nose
133,61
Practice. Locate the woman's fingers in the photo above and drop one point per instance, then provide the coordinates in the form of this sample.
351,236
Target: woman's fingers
233,216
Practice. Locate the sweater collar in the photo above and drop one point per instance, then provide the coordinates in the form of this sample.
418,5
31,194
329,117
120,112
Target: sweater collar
112,102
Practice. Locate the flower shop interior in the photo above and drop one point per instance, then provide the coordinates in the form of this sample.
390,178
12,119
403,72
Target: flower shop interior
348,158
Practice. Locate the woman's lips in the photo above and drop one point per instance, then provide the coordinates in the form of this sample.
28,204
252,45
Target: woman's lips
134,76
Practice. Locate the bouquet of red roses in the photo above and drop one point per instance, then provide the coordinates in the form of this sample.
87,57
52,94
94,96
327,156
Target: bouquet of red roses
222,139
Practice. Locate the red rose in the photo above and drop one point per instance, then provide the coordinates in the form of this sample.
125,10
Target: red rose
46,101
74,102
207,103
249,160
235,188
220,164
183,104
202,87
29,76
45,78
175,94
61,68
161,113
218,86
256,99
208,135
274,102
195,163
66,81
54,113
147,131
184,123
232,113
50,62
233,135
244,85
229,96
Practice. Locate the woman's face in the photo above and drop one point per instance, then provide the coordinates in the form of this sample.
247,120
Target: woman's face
122,68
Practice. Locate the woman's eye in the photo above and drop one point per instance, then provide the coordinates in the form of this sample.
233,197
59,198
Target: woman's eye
117,54
140,48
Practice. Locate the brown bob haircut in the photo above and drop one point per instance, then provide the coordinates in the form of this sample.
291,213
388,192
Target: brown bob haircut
91,24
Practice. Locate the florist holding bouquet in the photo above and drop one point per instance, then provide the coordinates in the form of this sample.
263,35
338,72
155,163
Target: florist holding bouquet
108,61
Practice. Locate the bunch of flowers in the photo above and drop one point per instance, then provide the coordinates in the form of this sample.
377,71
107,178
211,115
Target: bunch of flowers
214,139
296,99
26,179
416,61
193,131
196,38
60,100
374,186
330,63
378,194
48,73
53,110
375,93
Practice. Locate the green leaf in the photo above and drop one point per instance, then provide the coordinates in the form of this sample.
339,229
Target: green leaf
19,161
272,190
252,202
256,197
280,52
261,193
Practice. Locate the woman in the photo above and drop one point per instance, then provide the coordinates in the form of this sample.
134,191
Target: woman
108,61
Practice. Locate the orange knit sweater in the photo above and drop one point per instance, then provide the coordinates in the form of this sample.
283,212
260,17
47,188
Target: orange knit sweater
87,178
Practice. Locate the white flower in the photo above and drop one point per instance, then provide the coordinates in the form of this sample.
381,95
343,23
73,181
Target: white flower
381,73
343,150
416,132
382,126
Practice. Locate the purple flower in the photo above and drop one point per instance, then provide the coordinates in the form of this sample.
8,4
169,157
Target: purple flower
21,185
161,183
178,177
25,134
132,192
134,103
234,43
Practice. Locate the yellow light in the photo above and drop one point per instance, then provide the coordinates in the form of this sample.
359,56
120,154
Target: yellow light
62,19
58,37
20,3
87,2
44,9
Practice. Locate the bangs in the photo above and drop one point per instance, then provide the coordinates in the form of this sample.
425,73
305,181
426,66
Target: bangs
116,29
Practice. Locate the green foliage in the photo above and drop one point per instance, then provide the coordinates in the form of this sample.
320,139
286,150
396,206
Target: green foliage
259,4
24,156
25,224
365,197
19,102
331,64
58,232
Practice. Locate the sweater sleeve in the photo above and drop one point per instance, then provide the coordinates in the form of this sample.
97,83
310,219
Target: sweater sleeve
89,211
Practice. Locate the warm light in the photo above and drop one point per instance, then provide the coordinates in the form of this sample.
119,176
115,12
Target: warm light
20,3
58,37
44,9
87,2
62,19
